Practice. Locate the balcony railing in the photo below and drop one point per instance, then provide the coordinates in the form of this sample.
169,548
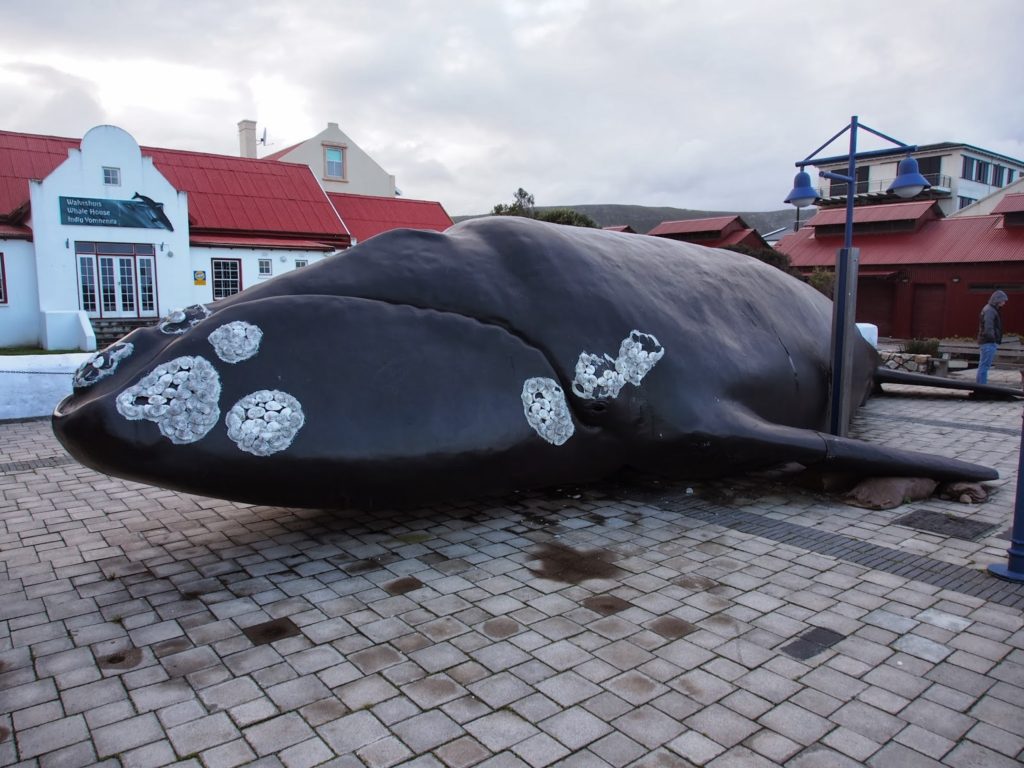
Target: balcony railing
939,184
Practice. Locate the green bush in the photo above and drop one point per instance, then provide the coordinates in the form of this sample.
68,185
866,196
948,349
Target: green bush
928,347
823,280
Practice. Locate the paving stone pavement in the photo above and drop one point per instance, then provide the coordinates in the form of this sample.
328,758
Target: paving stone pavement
744,622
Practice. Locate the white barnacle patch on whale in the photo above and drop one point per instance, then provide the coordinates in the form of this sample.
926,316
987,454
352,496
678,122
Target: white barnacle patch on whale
265,422
102,364
602,377
596,377
546,410
638,353
236,341
180,396
180,320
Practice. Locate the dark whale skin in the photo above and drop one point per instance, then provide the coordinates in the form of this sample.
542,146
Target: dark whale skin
409,355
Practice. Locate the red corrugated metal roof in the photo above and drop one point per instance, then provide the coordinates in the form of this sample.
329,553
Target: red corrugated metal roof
366,215
15,231
734,238
226,194
1010,204
692,226
942,241
873,213
245,241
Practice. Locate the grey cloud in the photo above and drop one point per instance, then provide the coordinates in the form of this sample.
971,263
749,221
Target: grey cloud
694,104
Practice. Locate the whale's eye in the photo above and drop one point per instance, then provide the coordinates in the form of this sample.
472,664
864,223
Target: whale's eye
597,406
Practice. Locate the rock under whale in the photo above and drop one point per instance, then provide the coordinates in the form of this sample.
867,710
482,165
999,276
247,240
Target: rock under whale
502,354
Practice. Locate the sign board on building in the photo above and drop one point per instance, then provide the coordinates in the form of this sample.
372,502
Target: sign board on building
140,213
199,276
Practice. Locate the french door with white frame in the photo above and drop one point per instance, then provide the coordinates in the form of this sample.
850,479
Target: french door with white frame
117,279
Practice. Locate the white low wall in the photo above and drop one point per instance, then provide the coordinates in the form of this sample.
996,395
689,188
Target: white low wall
32,385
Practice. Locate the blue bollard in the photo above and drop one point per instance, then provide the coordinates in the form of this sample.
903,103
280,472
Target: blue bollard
1014,568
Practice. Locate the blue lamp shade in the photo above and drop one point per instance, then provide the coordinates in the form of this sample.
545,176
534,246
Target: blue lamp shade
909,181
803,193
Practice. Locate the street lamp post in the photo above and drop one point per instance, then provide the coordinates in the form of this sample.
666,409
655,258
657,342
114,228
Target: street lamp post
908,183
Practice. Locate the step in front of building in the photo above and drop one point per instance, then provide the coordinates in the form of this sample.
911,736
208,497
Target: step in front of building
110,330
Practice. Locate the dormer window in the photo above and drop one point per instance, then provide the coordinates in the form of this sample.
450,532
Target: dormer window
334,162
112,177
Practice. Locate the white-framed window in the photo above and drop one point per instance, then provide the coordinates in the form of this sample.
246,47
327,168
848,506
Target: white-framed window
111,176
227,277
3,280
335,165
969,168
963,202
301,263
266,267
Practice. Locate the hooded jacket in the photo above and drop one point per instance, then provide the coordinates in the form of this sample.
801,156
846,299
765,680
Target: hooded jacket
990,324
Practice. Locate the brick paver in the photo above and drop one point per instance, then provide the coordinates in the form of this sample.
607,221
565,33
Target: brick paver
750,622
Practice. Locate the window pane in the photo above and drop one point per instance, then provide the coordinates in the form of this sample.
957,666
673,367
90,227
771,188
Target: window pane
87,282
226,278
335,162
147,293
115,248
108,285
126,270
3,281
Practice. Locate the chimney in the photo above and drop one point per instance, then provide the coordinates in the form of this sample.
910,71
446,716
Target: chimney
247,138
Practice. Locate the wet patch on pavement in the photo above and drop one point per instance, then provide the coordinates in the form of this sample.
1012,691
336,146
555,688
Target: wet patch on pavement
561,563
271,631
811,643
403,585
606,605
124,659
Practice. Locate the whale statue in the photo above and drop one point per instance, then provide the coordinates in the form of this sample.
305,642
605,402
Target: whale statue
502,354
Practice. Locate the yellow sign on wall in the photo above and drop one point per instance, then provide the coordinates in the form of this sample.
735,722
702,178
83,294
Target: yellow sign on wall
199,277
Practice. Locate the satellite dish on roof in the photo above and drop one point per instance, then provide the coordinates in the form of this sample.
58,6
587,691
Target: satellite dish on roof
263,138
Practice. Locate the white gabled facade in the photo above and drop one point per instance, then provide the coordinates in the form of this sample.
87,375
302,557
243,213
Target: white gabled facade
338,163
108,237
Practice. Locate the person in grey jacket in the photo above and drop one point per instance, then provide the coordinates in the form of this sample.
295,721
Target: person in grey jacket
990,333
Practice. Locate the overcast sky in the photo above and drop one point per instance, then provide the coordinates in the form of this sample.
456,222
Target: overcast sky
687,103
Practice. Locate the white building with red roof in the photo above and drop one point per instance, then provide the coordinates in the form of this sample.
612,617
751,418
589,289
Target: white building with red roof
98,235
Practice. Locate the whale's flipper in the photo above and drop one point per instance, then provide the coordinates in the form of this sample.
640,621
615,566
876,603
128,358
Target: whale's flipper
885,375
829,453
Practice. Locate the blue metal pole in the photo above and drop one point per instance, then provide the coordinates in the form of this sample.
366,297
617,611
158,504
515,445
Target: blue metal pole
1014,568
844,306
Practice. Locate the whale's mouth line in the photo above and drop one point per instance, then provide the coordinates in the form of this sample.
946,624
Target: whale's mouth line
496,323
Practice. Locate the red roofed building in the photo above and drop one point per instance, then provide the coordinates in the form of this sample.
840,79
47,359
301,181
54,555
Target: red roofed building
369,215
98,234
100,231
716,232
922,275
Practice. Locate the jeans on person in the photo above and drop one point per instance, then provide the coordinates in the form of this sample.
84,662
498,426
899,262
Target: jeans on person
988,354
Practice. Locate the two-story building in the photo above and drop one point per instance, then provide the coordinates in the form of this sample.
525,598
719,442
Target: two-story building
959,174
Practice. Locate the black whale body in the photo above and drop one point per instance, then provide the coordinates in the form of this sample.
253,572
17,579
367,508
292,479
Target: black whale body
420,366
